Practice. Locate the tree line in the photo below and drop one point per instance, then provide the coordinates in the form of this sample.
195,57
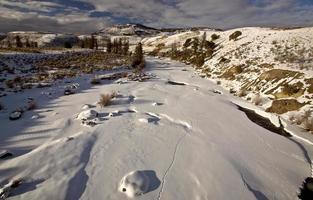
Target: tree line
20,44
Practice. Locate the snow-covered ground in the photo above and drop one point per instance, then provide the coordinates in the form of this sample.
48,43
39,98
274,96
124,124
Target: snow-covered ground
171,141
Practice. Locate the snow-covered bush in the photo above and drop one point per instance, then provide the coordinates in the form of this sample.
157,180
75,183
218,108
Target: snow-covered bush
242,93
134,184
257,99
303,118
308,124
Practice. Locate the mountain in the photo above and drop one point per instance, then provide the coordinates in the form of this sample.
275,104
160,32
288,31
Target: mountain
128,30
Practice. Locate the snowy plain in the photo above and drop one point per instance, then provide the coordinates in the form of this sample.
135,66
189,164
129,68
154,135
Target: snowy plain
191,143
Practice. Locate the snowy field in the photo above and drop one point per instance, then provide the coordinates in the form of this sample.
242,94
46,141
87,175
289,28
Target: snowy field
184,141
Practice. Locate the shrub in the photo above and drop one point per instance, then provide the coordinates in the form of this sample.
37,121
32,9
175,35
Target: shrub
242,93
257,100
235,35
32,105
308,124
9,83
215,37
305,119
105,99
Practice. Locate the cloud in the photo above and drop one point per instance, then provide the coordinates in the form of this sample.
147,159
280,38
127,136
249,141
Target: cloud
90,15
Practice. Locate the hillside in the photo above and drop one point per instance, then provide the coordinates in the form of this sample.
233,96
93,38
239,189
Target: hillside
271,68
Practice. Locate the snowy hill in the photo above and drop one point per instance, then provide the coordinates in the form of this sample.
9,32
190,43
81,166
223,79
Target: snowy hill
273,65
128,30
40,39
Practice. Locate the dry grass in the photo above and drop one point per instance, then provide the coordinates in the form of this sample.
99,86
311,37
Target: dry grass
231,72
106,99
284,105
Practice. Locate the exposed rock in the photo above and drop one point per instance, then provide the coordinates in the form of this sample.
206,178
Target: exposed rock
5,154
15,115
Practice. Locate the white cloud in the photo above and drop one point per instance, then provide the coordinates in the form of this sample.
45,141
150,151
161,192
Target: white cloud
31,14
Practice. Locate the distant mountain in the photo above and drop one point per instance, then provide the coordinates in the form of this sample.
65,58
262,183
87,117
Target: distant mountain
142,30
128,30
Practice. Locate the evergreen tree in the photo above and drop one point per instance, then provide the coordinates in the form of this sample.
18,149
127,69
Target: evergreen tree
27,44
34,44
203,42
109,46
119,46
18,41
125,47
114,46
195,45
92,42
82,43
138,59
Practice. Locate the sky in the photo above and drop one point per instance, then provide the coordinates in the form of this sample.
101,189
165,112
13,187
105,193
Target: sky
86,16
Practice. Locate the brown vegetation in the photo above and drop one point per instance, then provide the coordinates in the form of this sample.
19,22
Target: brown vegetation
284,105
105,99
231,72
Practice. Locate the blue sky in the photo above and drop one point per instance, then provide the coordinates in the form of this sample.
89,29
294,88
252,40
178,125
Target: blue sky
83,16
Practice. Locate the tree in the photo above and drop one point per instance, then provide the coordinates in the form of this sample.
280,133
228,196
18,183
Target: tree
138,59
34,44
92,43
18,41
96,43
125,47
114,46
203,42
119,46
109,46
27,44
9,44
174,47
82,43
195,45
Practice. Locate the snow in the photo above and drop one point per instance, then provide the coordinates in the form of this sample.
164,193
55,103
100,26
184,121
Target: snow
199,146
134,184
